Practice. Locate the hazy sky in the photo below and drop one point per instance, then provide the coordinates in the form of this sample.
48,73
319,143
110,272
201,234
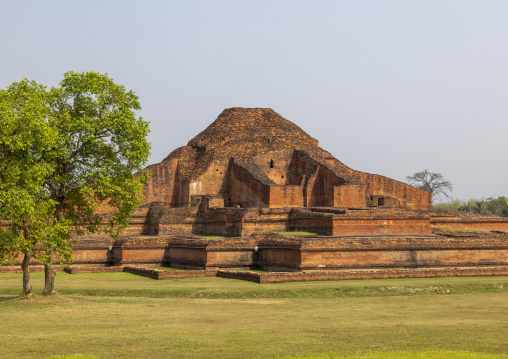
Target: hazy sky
388,87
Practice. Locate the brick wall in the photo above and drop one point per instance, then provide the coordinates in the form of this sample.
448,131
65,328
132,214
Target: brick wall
319,225
275,165
245,190
138,250
286,196
349,195
425,251
277,252
319,188
169,274
479,224
381,225
409,196
211,181
381,273
160,186
167,182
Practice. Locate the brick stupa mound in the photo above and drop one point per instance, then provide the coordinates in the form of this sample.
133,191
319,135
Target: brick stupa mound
255,158
247,125
240,133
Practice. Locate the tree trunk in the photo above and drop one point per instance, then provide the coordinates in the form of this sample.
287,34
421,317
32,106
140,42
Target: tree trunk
49,279
49,273
27,288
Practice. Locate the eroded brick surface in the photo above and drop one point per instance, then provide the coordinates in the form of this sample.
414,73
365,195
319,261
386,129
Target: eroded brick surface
252,172
253,158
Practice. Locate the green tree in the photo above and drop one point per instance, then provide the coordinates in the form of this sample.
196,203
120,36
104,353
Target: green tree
481,206
101,146
25,135
66,152
431,182
498,206
453,205
490,206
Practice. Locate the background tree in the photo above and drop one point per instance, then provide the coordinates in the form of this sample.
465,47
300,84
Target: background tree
481,207
431,182
101,144
453,205
490,206
498,206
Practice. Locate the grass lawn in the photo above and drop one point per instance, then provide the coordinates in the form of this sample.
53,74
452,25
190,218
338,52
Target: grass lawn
119,315
297,233
164,268
446,229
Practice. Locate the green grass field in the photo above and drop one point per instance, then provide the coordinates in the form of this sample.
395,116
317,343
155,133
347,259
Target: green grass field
119,315
297,233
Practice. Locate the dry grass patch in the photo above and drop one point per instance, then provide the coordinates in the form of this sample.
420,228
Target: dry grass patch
297,234
415,354
235,319
446,229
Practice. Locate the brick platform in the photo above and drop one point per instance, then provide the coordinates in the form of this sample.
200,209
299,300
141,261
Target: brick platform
380,273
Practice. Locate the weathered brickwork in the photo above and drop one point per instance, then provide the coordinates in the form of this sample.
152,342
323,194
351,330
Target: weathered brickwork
442,253
251,173
90,269
134,250
168,274
407,225
254,158
440,249
280,253
16,268
378,273
477,224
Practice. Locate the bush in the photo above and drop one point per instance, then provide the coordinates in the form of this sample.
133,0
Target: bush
490,206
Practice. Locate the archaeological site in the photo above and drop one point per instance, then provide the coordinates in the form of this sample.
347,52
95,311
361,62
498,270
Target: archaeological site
231,197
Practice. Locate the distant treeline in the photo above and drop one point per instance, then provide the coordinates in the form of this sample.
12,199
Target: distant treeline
496,206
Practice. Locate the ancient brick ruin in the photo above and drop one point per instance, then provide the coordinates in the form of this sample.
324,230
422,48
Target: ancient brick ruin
254,171
251,174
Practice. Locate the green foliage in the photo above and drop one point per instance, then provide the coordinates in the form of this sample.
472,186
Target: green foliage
26,135
453,205
498,206
63,153
101,144
490,206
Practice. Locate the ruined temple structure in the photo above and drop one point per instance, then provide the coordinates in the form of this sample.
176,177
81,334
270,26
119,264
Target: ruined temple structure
251,174
254,171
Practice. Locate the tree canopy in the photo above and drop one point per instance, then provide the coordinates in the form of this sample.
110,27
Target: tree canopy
65,152
490,206
431,182
101,144
25,136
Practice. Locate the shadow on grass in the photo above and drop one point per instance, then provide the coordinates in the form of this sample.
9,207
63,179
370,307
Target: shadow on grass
4,298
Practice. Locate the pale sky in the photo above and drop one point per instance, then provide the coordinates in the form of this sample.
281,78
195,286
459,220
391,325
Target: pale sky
388,87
